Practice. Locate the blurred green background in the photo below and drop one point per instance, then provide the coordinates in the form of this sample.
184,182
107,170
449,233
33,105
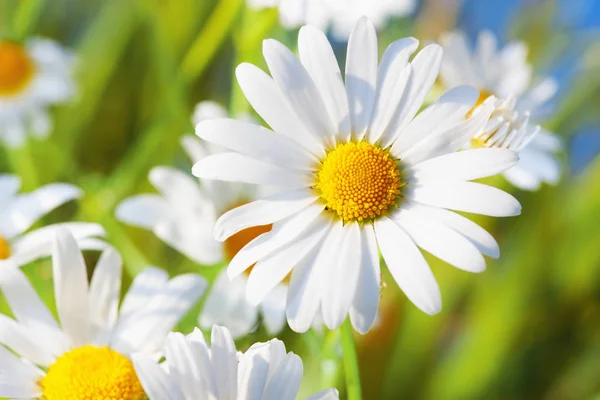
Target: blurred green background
527,328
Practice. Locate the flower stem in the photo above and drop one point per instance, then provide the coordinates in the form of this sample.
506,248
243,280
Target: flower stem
350,361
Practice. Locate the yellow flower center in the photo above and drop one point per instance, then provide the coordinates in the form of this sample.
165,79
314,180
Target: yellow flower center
359,181
92,373
16,68
4,249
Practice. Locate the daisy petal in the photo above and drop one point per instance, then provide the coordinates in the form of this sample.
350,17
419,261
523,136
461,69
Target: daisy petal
392,77
224,363
464,165
144,287
23,342
271,270
105,290
154,379
319,60
18,379
338,294
183,367
298,88
468,197
235,167
28,208
440,240
407,266
366,302
285,381
144,210
9,186
273,310
256,142
262,212
361,75
267,100
71,288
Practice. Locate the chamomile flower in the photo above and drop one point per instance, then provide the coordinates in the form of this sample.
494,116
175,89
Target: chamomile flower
359,174
33,76
19,211
86,354
340,15
193,371
506,74
183,215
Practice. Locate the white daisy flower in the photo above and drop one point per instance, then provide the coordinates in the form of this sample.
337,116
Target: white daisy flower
85,355
359,173
18,212
194,371
505,73
340,15
183,215
33,76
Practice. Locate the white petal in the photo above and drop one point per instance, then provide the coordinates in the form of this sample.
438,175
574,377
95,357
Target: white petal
457,68
480,238
341,275
366,302
226,305
174,185
361,75
285,382
9,186
154,379
298,88
468,197
71,288
262,212
105,290
319,60
146,330
446,141
143,288
440,240
30,310
392,77
28,208
23,341
144,210
224,362
407,266
540,163
304,292
273,310
256,142
424,71
523,179
267,100
234,167
183,367
464,165
271,270
283,232
444,113
18,378
208,110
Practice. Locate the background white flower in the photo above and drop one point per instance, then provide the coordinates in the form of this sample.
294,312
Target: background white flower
183,215
360,172
507,74
33,76
340,15
18,212
193,371
91,324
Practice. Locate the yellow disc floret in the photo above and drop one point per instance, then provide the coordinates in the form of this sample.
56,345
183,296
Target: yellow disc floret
92,373
4,249
16,68
359,181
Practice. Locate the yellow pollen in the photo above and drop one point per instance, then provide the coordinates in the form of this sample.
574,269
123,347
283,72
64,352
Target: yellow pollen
16,68
4,249
92,373
359,181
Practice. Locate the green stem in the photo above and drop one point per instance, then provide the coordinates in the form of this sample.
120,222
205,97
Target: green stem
23,164
350,361
210,39
26,17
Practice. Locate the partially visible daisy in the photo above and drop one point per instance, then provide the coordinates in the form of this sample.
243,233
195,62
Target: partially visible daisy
183,215
506,74
340,15
33,76
86,354
358,174
18,212
193,371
